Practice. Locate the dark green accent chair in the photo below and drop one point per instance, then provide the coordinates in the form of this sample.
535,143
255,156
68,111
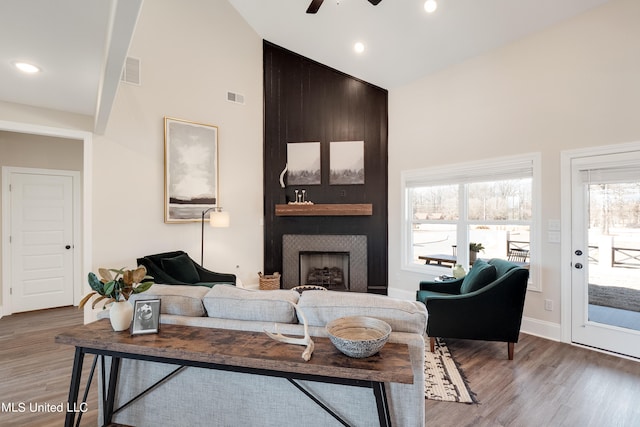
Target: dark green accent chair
177,268
491,313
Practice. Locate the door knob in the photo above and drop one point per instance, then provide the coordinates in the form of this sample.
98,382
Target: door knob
578,252
578,265
68,247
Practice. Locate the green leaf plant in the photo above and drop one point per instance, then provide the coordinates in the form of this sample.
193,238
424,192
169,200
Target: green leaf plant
116,285
476,247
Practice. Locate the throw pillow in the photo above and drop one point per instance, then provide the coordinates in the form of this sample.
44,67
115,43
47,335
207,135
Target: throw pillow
480,275
181,267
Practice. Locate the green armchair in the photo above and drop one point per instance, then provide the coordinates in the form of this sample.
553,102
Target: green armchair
177,268
486,304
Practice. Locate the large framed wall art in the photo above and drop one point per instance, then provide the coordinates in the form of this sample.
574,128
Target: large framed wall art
190,169
303,163
346,161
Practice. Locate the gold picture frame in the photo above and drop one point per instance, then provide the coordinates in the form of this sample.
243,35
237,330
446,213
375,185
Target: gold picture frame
190,169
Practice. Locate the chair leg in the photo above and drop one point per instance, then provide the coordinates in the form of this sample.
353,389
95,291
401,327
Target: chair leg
432,344
510,349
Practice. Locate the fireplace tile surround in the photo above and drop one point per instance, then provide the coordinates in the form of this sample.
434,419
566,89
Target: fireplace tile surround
356,245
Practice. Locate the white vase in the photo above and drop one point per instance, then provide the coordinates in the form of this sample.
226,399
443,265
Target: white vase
458,271
121,314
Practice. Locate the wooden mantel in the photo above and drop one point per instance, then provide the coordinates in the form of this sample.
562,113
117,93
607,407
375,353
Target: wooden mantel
333,209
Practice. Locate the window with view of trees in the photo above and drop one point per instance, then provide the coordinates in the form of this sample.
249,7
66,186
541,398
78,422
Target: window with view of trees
487,206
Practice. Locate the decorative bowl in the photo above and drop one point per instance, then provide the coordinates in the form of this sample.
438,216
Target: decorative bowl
358,336
303,288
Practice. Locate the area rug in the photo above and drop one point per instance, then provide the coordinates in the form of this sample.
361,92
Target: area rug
443,379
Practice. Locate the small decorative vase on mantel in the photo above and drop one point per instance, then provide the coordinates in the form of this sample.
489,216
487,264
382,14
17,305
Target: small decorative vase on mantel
121,315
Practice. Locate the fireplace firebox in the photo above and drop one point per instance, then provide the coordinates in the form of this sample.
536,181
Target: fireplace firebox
338,262
328,269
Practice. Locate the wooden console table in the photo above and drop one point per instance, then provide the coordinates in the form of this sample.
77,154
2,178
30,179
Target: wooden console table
237,351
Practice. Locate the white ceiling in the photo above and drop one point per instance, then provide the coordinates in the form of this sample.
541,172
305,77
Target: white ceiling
81,44
402,41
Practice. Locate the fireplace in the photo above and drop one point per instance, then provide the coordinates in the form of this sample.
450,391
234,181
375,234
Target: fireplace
328,269
321,256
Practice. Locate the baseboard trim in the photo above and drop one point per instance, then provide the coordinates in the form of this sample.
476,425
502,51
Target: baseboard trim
541,328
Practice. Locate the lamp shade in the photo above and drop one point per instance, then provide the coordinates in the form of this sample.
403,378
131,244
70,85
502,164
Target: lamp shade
219,219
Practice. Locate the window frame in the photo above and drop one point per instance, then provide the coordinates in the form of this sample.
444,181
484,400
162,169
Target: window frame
464,173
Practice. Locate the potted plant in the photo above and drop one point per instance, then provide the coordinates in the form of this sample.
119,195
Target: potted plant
474,248
116,290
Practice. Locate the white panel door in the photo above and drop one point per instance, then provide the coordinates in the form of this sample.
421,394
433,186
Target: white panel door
41,241
606,252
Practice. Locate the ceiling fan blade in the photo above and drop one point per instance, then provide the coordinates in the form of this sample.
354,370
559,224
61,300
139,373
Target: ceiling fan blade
374,2
315,5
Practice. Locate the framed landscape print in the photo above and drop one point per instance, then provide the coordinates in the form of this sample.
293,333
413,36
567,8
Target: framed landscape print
191,169
346,163
303,163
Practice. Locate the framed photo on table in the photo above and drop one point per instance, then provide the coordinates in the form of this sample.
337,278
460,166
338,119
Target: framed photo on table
146,317
190,169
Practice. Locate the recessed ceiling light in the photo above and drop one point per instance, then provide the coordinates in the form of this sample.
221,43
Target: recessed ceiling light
430,6
25,67
358,47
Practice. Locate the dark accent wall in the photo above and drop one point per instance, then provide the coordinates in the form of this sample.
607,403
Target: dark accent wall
305,101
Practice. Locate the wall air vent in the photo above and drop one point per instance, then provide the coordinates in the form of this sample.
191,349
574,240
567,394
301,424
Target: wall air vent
131,71
235,97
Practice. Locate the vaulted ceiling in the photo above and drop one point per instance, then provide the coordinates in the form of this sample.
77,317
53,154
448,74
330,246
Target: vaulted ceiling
402,41
81,45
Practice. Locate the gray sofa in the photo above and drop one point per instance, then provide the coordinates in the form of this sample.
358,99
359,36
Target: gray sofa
203,397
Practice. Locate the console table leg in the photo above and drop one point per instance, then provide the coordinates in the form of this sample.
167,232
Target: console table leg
318,402
74,386
383,406
111,393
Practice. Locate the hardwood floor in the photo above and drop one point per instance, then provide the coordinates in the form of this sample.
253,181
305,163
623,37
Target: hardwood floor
35,370
548,383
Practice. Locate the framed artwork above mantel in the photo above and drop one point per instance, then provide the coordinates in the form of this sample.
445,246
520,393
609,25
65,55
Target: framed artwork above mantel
190,169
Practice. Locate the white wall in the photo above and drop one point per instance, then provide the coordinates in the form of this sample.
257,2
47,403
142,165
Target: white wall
574,85
192,52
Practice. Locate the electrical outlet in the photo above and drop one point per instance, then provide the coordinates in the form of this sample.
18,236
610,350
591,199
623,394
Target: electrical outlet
548,305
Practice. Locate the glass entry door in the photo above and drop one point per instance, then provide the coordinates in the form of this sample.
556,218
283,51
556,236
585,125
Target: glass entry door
606,252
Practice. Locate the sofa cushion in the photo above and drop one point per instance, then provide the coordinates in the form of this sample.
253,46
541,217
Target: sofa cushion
480,275
231,302
321,307
181,267
182,300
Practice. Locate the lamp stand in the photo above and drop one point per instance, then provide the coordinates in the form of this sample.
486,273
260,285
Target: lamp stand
202,237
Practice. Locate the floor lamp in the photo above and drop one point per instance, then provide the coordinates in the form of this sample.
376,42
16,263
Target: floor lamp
218,219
